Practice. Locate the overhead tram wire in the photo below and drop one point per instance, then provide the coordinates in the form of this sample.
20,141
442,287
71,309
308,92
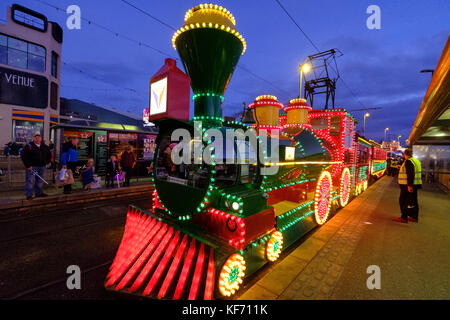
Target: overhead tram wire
174,29
295,22
149,15
318,50
143,44
116,34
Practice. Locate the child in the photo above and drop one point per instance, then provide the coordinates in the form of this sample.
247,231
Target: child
87,174
112,169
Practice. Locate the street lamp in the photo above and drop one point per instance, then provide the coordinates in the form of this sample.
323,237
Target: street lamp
385,130
304,68
365,116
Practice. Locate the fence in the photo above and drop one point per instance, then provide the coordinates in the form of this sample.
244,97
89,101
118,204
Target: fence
12,174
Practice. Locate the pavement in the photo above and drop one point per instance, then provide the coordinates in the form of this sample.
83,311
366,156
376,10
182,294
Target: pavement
14,200
332,261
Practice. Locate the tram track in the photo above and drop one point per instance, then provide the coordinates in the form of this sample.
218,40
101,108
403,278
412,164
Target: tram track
54,283
49,232
12,217
40,248
95,214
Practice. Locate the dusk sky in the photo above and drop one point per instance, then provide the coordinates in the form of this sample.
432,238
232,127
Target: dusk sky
381,67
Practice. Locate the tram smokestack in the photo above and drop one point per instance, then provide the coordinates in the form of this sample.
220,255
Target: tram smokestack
209,47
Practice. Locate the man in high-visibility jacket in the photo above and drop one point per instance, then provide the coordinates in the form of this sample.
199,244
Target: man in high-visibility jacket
410,180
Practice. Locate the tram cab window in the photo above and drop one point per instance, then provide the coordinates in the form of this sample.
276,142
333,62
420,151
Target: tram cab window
362,156
192,174
240,167
335,126
347,156
318,123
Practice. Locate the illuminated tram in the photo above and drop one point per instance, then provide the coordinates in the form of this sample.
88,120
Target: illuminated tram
212,225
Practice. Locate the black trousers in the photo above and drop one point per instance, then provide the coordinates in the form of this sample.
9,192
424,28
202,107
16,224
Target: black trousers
409,205
127,176
110,179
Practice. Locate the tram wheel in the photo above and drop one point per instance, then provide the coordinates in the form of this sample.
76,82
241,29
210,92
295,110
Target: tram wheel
344,190
322,198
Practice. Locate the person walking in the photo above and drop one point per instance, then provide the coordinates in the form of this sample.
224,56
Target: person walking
127,161
69,159
35,156
410,180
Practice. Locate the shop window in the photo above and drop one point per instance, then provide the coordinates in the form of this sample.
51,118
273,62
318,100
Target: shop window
3,49
22,54
17,58
54,65
29,18
17,44
36,63
3,40
23,131
54,96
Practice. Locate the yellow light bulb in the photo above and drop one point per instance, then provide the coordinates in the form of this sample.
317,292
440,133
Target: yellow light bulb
306,67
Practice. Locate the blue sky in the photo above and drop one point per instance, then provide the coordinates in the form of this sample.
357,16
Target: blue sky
381,67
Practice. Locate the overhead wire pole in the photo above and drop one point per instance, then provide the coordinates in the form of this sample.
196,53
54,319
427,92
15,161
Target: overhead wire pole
318,50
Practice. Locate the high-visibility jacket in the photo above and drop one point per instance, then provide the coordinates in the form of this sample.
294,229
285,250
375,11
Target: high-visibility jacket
402,176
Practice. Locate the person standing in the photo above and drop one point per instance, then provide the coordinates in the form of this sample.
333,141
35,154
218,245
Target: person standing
69,159
127,161
112,170
35,156
410,180
388,166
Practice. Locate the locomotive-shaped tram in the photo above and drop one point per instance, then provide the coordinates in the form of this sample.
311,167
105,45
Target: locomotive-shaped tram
212,225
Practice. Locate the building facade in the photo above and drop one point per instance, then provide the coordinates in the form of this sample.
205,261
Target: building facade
30,73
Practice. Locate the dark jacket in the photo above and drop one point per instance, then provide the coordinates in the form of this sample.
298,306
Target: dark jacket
111,169
69,153
127,159
32,155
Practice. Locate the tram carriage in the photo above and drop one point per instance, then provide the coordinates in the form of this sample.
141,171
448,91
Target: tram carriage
213,225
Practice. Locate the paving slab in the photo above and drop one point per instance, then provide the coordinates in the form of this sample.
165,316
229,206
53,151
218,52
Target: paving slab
332,262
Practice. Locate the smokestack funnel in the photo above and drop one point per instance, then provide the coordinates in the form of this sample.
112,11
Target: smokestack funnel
209,47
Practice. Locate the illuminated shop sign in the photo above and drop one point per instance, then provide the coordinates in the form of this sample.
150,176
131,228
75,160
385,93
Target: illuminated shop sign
145,116
23,89
158,102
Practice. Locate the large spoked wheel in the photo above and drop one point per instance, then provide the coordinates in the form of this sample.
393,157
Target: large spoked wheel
274,246
232,275
344,190
322,198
